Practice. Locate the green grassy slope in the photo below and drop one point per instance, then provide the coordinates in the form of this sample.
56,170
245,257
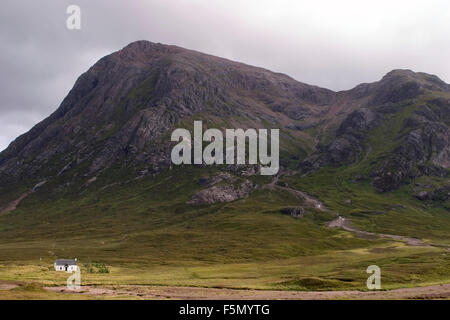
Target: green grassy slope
146,234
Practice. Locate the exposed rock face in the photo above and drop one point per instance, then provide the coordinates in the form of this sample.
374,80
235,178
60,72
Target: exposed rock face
347,147
423,146
424,151
442,193
422,195
401,85
295,212
37,186
223,193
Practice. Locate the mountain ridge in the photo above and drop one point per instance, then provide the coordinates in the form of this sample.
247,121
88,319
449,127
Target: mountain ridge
120,110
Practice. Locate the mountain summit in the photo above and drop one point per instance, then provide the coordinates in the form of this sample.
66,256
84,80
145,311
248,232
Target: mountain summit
120,113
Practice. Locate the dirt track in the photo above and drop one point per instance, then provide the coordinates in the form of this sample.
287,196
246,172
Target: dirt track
13,204
7,285
191,293
341,222
309,201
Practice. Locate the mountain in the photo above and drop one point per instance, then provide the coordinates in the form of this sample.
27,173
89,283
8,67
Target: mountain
121,111
412,106
121,108
95,177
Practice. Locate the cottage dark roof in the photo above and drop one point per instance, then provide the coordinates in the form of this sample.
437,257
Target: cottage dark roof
66,261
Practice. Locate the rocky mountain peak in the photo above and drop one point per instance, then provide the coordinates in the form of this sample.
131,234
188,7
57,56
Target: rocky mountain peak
120,112
400,85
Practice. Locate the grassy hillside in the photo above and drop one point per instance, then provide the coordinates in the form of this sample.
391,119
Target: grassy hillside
146,234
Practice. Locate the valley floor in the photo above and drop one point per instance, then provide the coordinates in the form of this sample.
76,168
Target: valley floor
160,248
184,293
9,291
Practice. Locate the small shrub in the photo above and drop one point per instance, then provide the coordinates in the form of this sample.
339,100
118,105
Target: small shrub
96,267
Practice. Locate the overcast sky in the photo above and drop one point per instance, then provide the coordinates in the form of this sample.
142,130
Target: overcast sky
333,44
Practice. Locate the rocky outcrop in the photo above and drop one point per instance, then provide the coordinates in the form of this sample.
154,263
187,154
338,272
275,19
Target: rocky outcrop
400,85
223,193
347,147
422,195
424,151
441,193
295,212
421,147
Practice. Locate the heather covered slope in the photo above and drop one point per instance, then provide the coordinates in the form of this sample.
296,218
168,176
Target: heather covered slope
95,179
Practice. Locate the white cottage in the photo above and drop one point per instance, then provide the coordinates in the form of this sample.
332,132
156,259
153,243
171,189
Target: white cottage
68,265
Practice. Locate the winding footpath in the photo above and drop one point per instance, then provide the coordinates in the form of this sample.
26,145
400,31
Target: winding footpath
344,223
